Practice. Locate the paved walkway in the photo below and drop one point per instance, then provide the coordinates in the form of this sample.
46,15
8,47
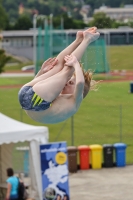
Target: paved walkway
22,74
103,184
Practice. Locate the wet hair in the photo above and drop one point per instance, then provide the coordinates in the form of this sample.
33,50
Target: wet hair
10,172
90,84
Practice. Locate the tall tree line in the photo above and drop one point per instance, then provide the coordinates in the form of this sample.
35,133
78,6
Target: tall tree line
11,19
46,7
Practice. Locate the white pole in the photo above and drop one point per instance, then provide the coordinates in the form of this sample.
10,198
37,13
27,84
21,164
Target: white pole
45,35
51,35
34,42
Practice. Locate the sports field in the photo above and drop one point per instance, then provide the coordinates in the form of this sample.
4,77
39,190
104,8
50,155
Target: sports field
105,116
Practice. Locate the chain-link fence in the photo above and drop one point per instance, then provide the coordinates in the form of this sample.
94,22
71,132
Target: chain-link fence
53,42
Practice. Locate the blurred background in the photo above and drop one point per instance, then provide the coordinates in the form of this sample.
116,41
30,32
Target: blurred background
33,30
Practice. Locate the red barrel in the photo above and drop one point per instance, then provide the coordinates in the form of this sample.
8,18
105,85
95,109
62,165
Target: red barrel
84,156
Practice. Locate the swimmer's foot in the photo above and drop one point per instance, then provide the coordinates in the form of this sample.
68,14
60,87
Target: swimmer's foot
79,35
92,29
90,35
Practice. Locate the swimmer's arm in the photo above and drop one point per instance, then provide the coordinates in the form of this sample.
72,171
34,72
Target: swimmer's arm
47,66
79,86
71,60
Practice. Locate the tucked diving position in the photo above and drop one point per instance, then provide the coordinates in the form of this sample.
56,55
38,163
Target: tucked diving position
56,92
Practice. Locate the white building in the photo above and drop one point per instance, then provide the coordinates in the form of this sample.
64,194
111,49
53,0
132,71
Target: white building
119,14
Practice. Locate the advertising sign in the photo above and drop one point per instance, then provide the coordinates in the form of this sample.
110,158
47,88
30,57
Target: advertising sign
54,167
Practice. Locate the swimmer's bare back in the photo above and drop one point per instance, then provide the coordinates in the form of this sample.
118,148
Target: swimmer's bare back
60,110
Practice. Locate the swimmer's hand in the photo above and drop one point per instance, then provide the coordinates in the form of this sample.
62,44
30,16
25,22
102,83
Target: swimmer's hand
71,60
49,64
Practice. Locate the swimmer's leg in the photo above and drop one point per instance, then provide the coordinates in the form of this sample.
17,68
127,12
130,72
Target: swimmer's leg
59,64
67,51
50,88
88,37
77,48
73,46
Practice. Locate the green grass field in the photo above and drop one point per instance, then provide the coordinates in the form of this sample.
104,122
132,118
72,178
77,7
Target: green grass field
120,57
105,116
14,81
116,57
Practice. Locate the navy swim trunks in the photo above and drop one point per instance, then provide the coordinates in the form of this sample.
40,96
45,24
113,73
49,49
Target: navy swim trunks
29,100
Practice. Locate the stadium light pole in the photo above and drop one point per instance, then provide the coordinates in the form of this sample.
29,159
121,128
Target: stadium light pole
35,17
34,41
51,34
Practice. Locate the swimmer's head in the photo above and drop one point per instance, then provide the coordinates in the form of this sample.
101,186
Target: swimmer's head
70,86
89,83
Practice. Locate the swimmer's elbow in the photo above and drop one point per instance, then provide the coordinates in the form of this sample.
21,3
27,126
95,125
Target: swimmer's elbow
78,94
80,85
80,81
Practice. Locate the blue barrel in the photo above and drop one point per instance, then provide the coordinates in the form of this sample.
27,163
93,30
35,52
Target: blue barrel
120,154
131,87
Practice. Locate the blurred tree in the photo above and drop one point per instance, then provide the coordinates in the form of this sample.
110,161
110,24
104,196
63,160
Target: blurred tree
3,59
130,23
43,7
79,24
3,18
23,23
100,20
11,8
69,22
116,24
46,7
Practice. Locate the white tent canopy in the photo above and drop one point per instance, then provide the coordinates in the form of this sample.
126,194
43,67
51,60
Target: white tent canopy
13,131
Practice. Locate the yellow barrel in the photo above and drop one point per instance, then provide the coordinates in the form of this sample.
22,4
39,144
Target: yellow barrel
96,156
